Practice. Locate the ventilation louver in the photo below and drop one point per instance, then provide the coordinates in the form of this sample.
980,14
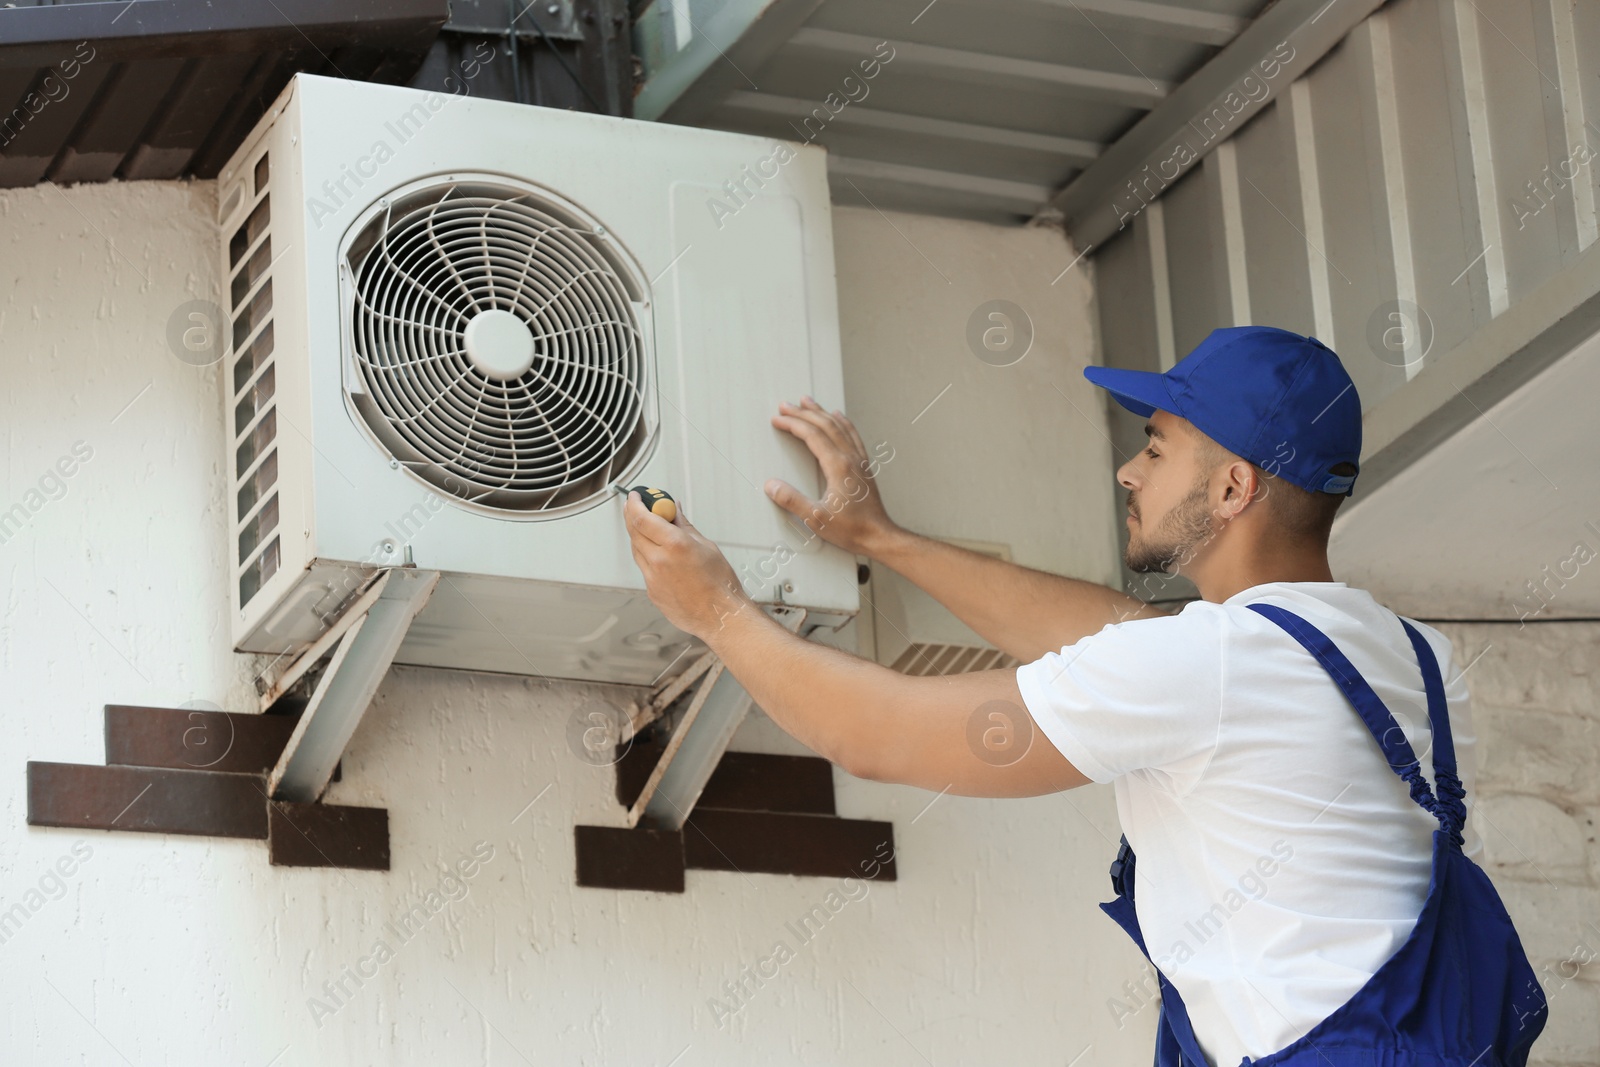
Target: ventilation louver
254,387
496,347
924,658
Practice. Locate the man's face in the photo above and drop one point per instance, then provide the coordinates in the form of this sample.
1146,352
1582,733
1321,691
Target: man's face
1169,511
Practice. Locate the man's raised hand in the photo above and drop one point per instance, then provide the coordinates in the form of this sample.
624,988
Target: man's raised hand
851,513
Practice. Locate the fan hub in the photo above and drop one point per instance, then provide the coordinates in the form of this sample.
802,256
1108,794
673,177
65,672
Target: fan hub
499,344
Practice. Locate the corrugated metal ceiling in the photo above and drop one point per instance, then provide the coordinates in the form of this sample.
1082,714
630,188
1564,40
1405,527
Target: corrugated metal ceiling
982,108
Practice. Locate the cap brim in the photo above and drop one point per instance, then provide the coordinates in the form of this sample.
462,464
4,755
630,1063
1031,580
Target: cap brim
1140,391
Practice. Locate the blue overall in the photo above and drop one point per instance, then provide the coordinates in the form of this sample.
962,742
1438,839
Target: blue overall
1459,991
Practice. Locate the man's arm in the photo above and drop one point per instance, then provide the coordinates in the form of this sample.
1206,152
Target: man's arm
1021,611
968,734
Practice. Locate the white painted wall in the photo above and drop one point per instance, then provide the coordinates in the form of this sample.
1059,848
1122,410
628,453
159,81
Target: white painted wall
1000,453
1010,449
186,950
1519,480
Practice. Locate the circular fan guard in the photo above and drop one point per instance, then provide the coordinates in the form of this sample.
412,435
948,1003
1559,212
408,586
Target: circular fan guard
464,407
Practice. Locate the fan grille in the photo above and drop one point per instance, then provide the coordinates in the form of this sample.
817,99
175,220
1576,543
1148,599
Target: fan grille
534,425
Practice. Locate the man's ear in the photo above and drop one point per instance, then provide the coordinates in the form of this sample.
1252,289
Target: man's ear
1243,485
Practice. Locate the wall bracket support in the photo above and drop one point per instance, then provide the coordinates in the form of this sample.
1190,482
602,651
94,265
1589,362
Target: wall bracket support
376,626
718,707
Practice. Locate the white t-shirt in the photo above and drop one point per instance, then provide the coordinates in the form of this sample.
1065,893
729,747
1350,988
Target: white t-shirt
1280,860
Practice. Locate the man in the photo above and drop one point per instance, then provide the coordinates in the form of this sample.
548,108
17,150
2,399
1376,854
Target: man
1300,881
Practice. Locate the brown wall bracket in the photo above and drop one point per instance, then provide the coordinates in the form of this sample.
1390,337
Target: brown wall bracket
183,771
758,813
701,736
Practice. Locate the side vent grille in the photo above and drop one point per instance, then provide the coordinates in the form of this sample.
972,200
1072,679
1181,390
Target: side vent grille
253,379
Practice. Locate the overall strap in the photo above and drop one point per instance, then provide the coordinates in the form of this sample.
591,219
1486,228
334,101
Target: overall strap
1445,778
1450,811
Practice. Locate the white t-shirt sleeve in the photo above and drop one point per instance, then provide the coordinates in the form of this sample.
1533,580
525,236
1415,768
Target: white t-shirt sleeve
1142,694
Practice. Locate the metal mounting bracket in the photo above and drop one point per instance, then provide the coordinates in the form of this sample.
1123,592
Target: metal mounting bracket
307,659
369,635
492,18
701,737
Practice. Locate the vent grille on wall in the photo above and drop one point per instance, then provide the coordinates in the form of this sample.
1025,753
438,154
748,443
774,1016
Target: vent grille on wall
496,346
254,385
913,634
934,659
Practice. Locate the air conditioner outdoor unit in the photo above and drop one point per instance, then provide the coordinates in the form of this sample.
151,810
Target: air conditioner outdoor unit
454,324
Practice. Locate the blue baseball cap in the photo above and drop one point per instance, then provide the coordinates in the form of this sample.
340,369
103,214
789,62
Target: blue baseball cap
1282,401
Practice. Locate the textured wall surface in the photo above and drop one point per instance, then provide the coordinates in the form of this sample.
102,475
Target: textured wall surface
188,950
999,447
965,349
1536,711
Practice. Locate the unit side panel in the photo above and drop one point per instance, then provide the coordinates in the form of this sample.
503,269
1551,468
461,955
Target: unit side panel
265,400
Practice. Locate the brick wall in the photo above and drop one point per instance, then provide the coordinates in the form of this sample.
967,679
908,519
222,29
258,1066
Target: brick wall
1536,713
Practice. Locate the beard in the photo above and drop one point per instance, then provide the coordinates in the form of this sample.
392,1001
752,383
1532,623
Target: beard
1188,524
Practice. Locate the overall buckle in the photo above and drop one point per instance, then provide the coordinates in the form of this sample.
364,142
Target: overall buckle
1122,869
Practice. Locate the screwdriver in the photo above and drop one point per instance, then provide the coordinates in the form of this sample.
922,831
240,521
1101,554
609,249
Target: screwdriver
656,501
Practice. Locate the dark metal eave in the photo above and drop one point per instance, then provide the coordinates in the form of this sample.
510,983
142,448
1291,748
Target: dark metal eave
145,29
172,86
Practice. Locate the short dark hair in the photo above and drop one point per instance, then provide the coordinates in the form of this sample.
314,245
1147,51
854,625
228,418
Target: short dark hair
1300,513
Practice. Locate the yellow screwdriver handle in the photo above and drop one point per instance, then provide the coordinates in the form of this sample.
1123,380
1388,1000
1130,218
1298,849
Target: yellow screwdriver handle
657,501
